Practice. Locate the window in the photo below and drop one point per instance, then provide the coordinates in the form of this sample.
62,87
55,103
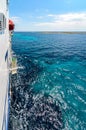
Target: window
0,25
2,22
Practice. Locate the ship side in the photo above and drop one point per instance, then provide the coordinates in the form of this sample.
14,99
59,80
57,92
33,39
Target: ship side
4,64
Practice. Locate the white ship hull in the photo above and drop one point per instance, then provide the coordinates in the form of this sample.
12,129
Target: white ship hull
4,65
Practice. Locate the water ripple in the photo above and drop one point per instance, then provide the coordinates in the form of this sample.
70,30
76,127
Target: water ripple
49,93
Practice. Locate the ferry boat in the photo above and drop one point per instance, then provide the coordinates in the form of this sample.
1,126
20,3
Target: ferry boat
6,28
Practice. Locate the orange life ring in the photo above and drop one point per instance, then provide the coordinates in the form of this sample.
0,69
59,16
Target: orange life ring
11,25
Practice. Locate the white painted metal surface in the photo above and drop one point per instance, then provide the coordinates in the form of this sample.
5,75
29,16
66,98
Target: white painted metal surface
4,68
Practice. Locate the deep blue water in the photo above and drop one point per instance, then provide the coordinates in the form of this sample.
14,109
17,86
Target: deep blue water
49,91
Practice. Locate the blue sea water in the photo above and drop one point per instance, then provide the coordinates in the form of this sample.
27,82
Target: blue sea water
49,91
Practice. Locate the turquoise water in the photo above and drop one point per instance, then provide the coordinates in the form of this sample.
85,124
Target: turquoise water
52,78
